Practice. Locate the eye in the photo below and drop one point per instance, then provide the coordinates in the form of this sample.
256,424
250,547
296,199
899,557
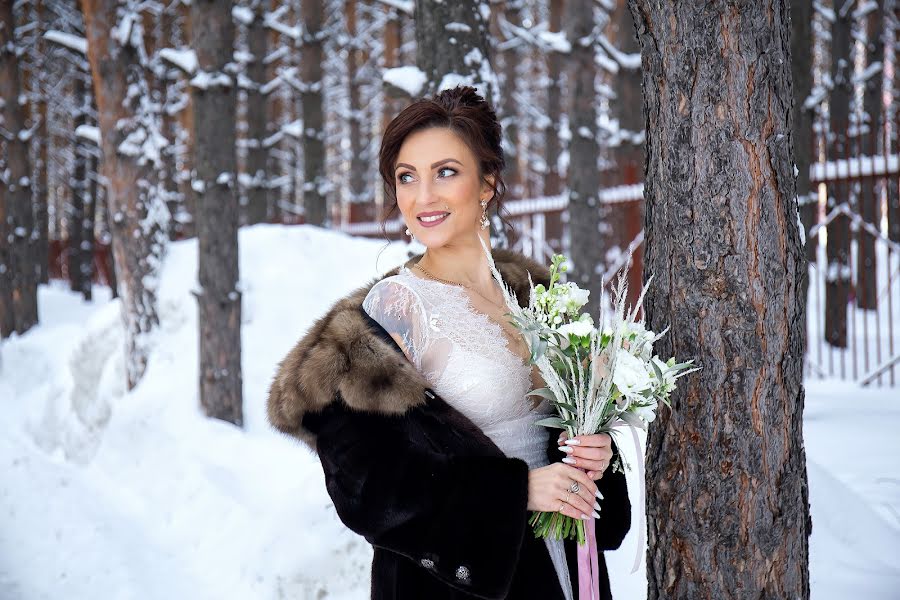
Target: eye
402,175
442,169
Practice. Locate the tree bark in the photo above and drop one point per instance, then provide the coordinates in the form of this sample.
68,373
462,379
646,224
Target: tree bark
219,298
553,181
80,213
837,278
626,148
459,56
19,273
257,187
727,506
892,7
802,74
870,193
513,60
129,130
586,213
315,184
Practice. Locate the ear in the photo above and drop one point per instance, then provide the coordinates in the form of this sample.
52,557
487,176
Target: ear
489,180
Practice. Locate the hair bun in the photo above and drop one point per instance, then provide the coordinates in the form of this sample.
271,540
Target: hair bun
461,95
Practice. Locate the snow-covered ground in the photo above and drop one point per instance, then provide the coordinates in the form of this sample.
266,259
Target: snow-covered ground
115,495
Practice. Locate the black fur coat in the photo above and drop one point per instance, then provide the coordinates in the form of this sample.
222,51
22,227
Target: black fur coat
442,505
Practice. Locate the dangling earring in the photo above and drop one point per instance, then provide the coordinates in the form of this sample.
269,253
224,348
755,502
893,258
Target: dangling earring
409,233
484,219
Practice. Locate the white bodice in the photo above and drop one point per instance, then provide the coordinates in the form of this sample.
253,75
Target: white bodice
466,358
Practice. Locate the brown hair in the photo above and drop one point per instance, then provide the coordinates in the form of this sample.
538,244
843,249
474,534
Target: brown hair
464,112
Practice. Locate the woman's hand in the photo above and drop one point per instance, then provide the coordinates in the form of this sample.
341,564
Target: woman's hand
549,491
590,453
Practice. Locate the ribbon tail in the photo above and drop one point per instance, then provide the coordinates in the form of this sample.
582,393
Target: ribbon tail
588,565
642,528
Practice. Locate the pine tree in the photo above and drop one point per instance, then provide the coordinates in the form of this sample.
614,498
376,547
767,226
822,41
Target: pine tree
727,506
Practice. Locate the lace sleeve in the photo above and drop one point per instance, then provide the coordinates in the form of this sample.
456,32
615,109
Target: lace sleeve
400,311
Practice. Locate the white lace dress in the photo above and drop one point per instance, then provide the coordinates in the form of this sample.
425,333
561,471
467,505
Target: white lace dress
465,357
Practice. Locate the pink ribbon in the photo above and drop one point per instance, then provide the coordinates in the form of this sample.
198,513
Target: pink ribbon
588,565
588,562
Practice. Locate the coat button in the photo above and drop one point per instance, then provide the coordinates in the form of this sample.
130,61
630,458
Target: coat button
462,573
427,563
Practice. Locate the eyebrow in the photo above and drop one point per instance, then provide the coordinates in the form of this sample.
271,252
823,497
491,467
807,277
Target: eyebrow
433,165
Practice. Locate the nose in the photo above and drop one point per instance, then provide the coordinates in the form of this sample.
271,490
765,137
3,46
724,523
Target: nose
425,195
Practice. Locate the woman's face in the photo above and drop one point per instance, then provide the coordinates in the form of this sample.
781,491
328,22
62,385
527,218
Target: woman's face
438,188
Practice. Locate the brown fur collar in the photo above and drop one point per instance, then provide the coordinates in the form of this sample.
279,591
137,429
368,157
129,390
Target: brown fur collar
341,353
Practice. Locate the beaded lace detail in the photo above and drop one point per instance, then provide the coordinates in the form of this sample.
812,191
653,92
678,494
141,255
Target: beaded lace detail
467,359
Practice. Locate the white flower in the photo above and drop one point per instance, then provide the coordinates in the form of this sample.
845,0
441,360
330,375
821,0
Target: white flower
630,375
581,328
646,413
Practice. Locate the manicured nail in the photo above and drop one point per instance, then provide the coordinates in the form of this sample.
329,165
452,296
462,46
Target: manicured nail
596,505
572,442
584,517
559,440
566,449
599,495
596,514
569,460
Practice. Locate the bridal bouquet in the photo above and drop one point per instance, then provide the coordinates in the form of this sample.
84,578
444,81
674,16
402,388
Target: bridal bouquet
598,376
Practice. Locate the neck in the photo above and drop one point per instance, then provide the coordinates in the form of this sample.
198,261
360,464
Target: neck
461,262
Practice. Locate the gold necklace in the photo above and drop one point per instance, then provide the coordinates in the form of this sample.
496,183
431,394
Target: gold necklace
436,278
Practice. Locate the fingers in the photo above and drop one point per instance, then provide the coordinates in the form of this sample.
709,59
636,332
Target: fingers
578,502
569,474
590,459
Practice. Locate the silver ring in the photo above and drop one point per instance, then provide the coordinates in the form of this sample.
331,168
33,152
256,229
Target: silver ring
574,488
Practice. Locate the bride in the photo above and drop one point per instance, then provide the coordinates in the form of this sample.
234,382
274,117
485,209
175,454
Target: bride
412,391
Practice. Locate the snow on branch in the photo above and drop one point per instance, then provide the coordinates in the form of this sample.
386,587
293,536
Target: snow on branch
186,59
629,62
88,132
409,79
872,70
404,6
537,36
72,42
825,11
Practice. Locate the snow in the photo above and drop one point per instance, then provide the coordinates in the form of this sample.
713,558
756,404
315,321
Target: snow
88,132
116,494
70,41
410,79
242,15
185,59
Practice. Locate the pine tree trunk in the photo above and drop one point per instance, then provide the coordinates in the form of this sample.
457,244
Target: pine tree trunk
870,194
586,213
802,74
80,249
727,506
892,7
20,273
626,149
837,279
138,217
219,298
315,199
512,64
553,182
466,60
257,190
